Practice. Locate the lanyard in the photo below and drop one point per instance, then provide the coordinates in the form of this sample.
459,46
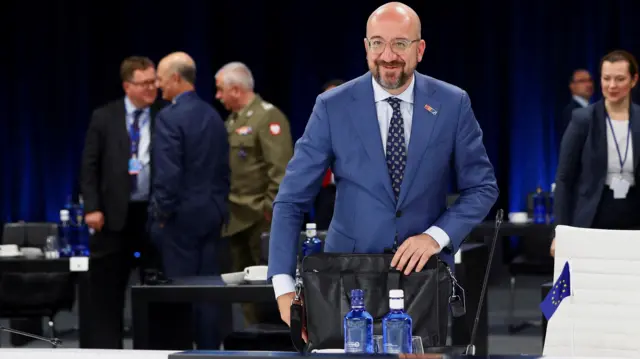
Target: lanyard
626,151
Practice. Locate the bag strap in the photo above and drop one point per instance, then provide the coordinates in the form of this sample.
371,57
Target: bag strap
298,320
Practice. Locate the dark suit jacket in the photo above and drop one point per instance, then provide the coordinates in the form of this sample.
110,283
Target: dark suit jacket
191,157
582,166
566,118
105,182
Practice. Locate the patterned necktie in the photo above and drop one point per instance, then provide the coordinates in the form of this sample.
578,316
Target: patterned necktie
396,150
134,135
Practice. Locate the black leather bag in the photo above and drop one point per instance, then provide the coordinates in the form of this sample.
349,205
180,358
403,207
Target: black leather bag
328,279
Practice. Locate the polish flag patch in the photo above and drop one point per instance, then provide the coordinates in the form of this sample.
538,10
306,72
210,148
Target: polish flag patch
274,128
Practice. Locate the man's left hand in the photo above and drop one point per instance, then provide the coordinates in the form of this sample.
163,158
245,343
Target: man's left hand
414,253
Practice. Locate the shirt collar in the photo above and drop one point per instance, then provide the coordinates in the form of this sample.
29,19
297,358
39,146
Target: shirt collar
581,101
380,94
130,108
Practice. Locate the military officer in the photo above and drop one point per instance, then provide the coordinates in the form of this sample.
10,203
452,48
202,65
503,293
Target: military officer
261,147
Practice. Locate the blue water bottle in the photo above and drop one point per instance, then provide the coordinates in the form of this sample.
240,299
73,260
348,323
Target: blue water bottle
81,245
552,217
65,233
397,326
358,326
312,244
539,207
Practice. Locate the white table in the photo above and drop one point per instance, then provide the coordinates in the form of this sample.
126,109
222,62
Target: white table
73,353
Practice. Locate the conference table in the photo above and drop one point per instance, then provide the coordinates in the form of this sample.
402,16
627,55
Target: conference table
60,265
62,353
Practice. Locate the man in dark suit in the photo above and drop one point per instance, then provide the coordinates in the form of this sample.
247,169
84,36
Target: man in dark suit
190,183
581,87
115,175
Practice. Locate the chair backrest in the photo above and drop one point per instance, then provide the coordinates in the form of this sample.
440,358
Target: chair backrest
28,234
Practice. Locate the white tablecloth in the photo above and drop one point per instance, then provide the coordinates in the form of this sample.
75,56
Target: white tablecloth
62,353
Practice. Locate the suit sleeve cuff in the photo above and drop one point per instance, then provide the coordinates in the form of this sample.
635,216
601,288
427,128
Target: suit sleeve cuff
439,236
282,284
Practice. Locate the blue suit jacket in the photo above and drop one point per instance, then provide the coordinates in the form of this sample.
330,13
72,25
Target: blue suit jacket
343,133
191,157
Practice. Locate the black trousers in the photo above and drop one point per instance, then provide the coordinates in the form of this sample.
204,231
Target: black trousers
185,254
113,257
618,213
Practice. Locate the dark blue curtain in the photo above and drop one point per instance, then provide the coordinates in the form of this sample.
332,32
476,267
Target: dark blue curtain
61,59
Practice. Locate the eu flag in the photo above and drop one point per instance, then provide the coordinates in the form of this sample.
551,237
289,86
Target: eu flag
561,289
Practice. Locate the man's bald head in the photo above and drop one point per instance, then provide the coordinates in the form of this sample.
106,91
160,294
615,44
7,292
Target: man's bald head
179,63
398,13
176,74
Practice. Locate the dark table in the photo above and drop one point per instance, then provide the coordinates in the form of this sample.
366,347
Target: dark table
161,313
158,326
272,355
61,265
483,233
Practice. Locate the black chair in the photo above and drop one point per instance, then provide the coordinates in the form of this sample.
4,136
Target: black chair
532,259
272,334
33,296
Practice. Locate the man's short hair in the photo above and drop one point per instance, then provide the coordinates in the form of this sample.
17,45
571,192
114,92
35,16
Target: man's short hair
133,63
236,74
187,72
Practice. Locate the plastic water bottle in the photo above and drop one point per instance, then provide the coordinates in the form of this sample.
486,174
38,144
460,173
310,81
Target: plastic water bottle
312,244
65,233
81,245
539,207
358,326
397,326
552,218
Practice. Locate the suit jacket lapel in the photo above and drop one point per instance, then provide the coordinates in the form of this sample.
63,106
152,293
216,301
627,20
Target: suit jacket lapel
426,110
601,157
365,120
122,131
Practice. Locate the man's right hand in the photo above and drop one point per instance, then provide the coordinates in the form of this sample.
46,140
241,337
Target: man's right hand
94,220
284,305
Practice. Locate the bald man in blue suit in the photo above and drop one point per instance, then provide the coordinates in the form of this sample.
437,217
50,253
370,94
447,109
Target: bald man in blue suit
394,139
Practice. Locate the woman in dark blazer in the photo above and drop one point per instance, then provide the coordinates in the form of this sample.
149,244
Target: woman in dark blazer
597,176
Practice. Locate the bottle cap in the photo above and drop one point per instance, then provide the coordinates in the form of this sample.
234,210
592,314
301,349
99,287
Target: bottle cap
396,299
311,226
396,293
357,298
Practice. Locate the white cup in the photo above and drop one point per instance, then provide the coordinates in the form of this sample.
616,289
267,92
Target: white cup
256,273
518,217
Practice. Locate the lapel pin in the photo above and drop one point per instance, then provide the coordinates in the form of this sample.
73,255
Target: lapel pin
431,109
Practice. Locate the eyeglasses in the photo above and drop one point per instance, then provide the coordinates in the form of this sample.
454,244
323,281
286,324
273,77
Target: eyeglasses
398,46
148,83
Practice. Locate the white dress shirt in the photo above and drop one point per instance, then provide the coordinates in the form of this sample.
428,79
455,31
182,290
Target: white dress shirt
284,283
581,100
621,131
144,177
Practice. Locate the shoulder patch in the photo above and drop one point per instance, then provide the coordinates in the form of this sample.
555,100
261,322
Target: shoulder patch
267,106
274,128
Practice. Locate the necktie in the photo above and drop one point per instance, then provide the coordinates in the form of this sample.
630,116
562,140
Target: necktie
396,150
134,135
